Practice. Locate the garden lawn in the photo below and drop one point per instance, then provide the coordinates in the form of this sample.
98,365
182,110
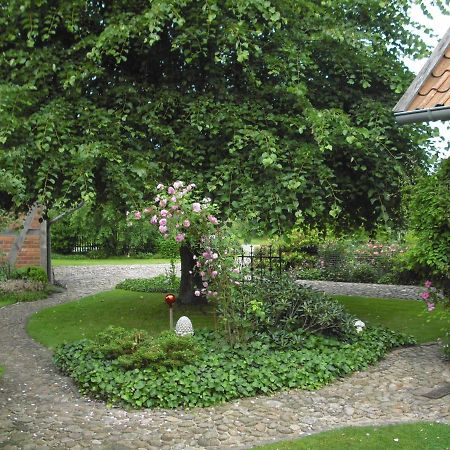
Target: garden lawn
107,261
2,369
406,316
412,436
85,318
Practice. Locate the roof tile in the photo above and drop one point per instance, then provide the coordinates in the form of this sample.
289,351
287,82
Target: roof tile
435,90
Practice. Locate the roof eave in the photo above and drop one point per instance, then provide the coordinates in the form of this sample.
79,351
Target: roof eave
423,115
411,92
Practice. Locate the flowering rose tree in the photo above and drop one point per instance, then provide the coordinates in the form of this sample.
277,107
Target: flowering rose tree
204,251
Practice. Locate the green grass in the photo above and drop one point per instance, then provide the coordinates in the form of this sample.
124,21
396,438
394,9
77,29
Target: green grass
86,317
2,369
407,316
107,261
413,436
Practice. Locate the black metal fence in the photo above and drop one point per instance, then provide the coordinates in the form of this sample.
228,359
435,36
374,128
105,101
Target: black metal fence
264,261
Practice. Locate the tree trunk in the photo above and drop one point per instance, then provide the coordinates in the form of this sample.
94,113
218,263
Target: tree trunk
189,281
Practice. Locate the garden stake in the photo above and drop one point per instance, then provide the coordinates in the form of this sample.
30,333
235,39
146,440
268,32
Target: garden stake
170,300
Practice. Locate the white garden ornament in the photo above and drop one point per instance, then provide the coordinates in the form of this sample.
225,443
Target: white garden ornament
184,327
359,325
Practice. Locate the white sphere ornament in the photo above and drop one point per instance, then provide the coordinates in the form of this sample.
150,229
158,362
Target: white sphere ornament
359,325
184,327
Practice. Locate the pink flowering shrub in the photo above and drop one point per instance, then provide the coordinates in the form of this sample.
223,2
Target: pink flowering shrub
180,215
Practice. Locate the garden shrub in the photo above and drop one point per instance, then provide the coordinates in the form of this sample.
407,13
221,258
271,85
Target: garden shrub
159,283
31,273
223,372
429,220
167,248
132,349
282,303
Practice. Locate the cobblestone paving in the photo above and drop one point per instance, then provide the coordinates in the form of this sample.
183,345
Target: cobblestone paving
40,409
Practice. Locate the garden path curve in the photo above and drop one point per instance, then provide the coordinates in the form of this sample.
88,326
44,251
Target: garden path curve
41,409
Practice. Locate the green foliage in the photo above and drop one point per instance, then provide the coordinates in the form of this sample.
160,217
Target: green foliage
167,248
32,273
134,349
281,303
429,219
160,283
279,108
109,228
222,372
2,370
356,258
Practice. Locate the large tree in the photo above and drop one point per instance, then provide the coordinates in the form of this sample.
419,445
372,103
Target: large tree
278,109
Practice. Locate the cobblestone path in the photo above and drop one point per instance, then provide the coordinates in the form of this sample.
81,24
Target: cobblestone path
40,409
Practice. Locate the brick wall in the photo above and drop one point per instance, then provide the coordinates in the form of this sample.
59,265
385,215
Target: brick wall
30,251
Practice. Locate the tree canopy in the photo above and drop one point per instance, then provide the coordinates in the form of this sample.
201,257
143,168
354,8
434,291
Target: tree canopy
280,109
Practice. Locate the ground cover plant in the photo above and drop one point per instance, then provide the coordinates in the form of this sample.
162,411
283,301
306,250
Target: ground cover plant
409,436
222,372
267,359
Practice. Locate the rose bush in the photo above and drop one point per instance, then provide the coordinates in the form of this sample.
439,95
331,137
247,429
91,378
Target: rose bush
207,248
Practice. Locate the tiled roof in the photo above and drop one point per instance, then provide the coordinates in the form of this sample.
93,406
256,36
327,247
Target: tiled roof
431,88
435,91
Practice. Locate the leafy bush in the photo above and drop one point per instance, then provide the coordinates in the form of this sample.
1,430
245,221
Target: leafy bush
30,273
159,283
223,372
282,303
167,248
98,254
107,226
429,219
137,349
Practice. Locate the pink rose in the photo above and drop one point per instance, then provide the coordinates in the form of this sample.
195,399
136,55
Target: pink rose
186,224
430,306
170,190
162,229
154,220
137,215
214,273
163,222
425,295
163,203
164,213
180,237
174,199
213,220
196,207
428,283
178,184
197,293
160,186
